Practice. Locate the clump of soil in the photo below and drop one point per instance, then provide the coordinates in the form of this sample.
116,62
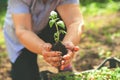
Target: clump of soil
59,47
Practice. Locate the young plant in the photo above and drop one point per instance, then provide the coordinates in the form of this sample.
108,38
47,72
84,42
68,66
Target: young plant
58,23
60,29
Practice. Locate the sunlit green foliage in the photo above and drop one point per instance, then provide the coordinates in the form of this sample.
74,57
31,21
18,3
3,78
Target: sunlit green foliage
96,8
87,2
3,6
54,20
102,74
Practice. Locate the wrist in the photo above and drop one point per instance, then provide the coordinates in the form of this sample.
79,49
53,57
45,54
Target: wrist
45,47
69,45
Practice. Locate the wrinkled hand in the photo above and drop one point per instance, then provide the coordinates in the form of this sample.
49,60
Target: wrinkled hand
52,57
66,59
71,46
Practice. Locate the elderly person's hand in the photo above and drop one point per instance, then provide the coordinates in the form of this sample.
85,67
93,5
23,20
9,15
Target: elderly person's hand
52,57
66,60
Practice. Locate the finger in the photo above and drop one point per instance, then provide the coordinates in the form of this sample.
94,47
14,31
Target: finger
64,66
51,54
76,48
55,64
53,59
62,62
65,62
47,46
69,45
69,55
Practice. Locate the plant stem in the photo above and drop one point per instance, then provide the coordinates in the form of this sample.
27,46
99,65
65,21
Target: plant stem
58,34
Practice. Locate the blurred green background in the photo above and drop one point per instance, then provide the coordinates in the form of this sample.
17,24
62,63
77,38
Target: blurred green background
101,33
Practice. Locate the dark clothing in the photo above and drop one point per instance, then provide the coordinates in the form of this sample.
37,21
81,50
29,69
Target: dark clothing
25,67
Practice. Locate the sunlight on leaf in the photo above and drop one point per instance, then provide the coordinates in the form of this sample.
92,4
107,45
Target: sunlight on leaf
51,23
61,24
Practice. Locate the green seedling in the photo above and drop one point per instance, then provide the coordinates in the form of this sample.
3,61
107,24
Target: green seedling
54,20
60,29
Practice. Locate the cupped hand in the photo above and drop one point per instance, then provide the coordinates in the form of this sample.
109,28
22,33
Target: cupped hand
52,57
66,59
71,46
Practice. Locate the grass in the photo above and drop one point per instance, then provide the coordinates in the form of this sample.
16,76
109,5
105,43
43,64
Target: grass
2,45
2,20
100,22
102,74
2,41
2,17
96,8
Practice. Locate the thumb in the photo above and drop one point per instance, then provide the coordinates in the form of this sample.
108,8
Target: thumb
47,46
76,48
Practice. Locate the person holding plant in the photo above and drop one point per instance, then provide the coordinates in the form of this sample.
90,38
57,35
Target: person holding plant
25,39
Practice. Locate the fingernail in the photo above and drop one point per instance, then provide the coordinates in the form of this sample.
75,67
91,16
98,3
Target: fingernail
62,67
76,48
62,62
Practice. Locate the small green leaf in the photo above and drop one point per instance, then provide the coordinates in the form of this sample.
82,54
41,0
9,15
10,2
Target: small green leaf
62,31
53,15
58,23
61,24
56,19
51,23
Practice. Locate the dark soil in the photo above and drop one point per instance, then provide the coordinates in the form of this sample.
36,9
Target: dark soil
59,47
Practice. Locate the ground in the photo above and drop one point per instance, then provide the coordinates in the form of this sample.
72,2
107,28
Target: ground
97,44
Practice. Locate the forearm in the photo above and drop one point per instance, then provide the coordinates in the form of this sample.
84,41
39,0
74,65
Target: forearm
73,19
30,40
74,32
23,30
